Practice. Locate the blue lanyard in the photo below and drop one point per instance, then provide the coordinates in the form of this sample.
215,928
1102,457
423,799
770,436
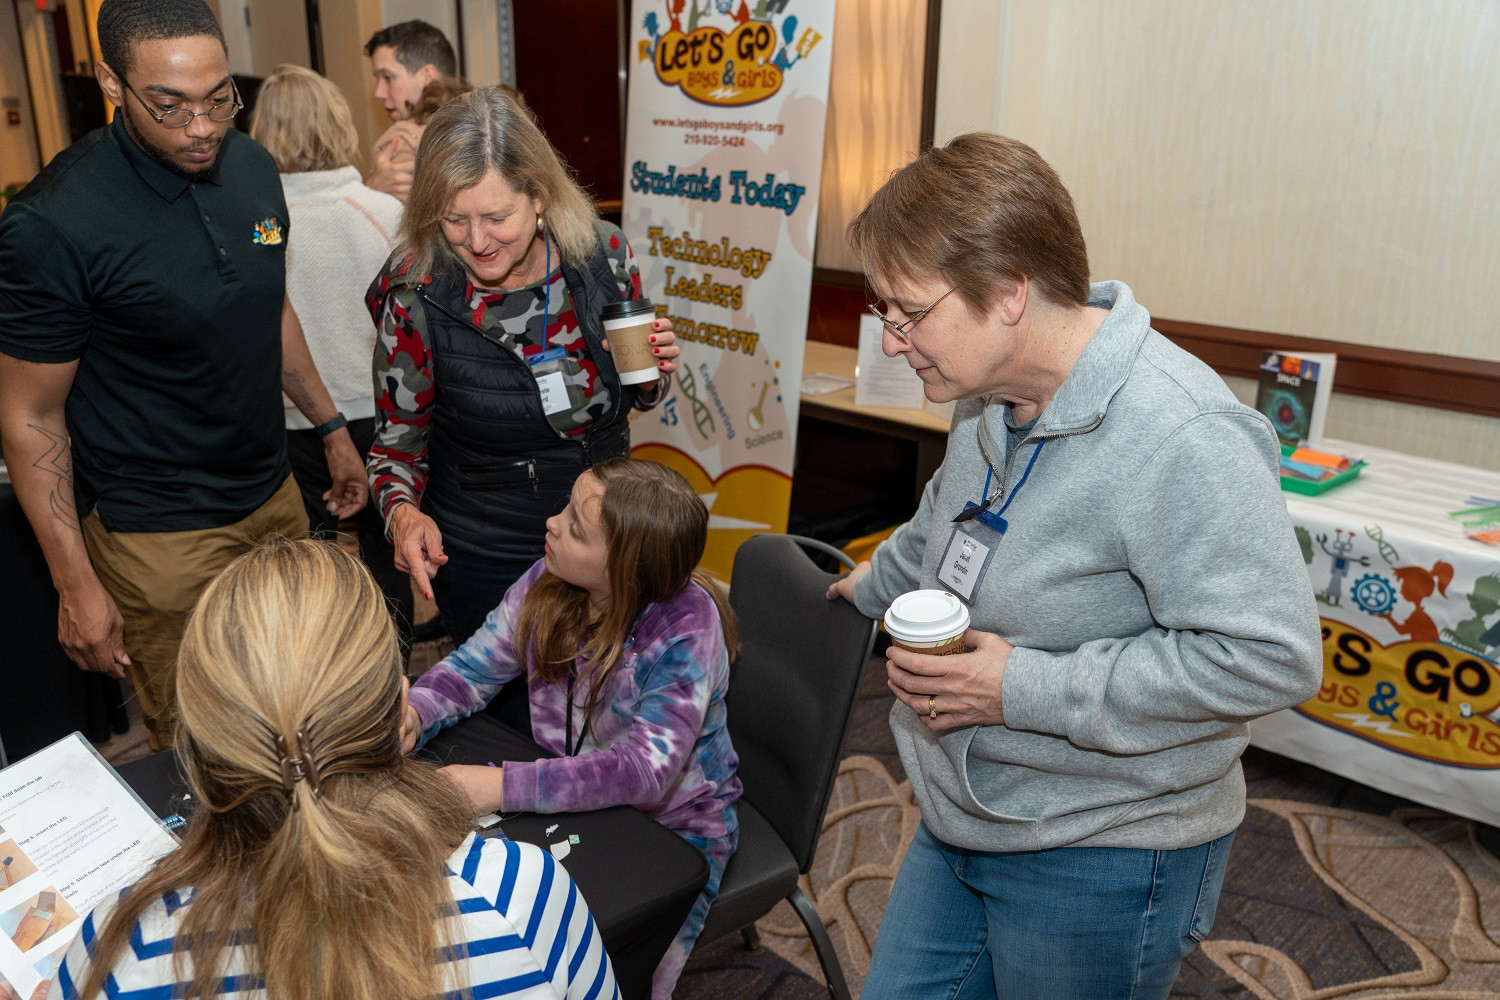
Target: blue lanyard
982,512
553,353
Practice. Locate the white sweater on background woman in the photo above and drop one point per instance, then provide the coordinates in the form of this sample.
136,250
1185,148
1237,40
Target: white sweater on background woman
341,233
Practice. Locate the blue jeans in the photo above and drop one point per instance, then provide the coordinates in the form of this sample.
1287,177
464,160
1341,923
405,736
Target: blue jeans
1088,923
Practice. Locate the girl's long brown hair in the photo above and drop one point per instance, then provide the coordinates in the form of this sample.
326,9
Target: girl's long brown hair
343,889
655,528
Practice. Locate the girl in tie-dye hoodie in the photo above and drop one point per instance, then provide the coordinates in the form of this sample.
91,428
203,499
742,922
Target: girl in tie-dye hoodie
627,659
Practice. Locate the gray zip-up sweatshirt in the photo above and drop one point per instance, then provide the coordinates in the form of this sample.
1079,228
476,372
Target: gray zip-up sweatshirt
1154,591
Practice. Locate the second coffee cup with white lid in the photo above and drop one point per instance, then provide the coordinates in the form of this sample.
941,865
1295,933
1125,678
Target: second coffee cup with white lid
928,621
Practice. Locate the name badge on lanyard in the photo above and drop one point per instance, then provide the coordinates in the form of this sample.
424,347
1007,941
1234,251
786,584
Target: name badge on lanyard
970,549
977,533
551,384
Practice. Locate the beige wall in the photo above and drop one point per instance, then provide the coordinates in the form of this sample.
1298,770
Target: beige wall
346,27
278,34
874,112
231,17
439,14
481,41
1319,169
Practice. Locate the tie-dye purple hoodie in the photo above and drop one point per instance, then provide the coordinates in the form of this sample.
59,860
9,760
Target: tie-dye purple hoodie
657,740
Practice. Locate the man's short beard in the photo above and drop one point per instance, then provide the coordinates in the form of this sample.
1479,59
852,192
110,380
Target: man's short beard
155,152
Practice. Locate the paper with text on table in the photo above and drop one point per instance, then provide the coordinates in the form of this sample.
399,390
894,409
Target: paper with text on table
75,834
883,381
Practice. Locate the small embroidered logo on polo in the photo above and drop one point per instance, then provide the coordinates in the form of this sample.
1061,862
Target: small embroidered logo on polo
267,232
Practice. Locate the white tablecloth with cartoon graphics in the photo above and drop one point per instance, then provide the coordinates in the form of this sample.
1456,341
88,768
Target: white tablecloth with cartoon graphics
1410,701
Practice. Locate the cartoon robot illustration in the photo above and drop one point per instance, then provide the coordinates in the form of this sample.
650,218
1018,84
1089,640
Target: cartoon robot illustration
1343,544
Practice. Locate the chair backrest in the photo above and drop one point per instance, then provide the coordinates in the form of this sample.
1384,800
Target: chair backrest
792,687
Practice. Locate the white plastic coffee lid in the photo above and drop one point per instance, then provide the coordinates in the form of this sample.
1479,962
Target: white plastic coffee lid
926,614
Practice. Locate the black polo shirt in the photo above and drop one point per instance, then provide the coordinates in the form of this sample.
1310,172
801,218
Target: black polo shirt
168,295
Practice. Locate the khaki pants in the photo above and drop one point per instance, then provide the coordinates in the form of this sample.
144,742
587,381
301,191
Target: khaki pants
155,578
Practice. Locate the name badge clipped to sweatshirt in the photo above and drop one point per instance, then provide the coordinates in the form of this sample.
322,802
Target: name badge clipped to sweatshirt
977,532
967,557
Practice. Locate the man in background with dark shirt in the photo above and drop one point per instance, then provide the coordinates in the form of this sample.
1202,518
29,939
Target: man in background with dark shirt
143,351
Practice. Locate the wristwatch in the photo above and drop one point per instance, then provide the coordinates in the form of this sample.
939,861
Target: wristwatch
328,428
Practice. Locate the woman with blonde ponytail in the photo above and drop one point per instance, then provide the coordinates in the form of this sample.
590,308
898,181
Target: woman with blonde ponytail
322,862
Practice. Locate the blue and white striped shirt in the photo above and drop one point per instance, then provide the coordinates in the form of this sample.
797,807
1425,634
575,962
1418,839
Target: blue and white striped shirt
527,931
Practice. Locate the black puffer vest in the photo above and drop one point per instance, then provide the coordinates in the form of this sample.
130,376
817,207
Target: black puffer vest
497,469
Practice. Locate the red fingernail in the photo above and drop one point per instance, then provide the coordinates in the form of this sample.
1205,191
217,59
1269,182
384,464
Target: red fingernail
651,339
656,350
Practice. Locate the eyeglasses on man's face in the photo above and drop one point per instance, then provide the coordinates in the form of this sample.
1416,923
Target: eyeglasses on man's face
223,111
880,307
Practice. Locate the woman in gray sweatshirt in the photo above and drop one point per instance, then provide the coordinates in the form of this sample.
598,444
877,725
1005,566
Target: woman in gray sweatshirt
1111,516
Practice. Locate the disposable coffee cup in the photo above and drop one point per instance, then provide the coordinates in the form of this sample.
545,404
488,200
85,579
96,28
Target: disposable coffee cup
628,327
928,621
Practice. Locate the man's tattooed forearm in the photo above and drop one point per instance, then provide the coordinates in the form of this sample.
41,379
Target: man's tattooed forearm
58,462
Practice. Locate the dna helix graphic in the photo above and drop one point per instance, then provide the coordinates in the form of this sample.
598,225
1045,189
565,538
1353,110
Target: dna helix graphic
703,418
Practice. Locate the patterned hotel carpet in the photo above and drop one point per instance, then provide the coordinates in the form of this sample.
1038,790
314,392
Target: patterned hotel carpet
1333,890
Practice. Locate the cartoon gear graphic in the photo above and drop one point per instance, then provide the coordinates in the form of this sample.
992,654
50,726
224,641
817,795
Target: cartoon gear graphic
1374,594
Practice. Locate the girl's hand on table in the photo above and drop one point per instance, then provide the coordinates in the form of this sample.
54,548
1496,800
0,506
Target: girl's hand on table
482,785
962,688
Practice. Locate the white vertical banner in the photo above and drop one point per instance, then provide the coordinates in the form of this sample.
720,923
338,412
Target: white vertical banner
723,156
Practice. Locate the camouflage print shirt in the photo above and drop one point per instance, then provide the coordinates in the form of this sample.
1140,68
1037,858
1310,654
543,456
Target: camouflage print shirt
403,361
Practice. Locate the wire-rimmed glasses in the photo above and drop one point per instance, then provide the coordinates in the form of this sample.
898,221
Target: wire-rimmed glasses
182,117
878,309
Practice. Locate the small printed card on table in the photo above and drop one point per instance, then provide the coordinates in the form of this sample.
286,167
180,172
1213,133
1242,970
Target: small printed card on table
883,381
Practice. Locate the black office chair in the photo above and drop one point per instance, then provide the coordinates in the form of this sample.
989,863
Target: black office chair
791,693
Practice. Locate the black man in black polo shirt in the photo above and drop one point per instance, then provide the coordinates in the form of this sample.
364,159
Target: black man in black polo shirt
143,352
